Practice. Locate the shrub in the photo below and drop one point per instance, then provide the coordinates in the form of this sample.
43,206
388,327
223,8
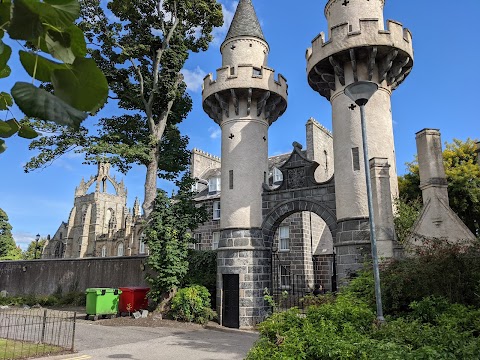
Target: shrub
192,304
346,329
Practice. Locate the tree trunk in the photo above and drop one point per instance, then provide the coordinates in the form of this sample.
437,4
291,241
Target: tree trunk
151,182
167,298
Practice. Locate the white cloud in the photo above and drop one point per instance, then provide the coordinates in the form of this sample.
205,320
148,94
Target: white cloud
194,78
23,239
215,133
228,13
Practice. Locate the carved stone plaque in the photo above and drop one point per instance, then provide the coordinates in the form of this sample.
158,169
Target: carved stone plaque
296,178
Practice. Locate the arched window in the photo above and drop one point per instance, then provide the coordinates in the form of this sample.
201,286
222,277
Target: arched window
104,251
120,249
59,250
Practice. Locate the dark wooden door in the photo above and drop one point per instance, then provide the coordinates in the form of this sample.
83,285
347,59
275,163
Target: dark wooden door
231,301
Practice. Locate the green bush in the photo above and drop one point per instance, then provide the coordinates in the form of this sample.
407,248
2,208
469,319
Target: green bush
347,329
192,304
441,269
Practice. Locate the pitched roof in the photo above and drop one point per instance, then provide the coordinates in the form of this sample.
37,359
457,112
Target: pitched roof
245,22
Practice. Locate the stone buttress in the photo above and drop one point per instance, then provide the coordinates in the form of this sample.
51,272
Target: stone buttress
359,47
244,99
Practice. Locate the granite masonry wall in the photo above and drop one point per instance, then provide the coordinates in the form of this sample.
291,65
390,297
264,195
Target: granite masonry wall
45,277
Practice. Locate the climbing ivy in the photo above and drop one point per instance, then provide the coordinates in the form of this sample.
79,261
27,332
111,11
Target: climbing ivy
53,53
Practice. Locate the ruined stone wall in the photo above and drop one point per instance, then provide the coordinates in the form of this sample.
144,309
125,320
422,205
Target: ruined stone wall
45,277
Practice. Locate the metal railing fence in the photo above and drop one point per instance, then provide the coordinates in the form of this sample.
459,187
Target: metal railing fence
32,332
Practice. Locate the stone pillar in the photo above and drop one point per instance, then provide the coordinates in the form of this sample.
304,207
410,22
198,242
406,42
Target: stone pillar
382,206
241,252
433,181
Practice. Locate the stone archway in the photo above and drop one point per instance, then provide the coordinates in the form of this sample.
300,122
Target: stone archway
281,211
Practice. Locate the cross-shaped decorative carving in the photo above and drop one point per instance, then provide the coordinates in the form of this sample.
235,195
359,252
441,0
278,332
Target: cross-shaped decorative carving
345,3
264,138
231,136
352,107
233,47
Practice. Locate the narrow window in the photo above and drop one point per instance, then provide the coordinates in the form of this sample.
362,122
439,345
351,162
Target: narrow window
356,159
350,28
104,251
284,276
230,179
257,71
284,235
198,239
216,210
216,240
232,71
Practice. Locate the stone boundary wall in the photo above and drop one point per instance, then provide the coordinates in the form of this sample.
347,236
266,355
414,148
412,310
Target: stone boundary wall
45,277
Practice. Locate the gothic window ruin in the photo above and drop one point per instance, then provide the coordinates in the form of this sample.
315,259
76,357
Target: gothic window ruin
120,249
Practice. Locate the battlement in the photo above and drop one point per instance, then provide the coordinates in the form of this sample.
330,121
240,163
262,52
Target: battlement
245,76
396,36
205,154
320,126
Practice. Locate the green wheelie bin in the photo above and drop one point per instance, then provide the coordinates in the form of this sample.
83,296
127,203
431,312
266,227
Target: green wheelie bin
102,302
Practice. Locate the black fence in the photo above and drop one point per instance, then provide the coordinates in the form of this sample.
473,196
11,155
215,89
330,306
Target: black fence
33,332
288,289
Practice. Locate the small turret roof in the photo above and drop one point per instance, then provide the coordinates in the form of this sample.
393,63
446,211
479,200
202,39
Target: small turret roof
245,22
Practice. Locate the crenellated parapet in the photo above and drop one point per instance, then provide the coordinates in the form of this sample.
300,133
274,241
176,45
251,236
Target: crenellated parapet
385,55
254,88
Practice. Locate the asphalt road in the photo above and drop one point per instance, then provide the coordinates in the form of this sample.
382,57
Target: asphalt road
95,341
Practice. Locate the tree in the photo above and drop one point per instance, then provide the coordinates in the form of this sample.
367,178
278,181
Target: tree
77,85
142,52
29,254
463,176
8,248
168,233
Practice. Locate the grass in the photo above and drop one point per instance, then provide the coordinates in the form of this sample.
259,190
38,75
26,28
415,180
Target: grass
12,349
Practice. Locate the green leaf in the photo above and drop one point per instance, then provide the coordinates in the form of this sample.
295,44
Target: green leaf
26,23
27,132
77,41
60,12
5,11
5,72
5,101
3,146
40,104
8,128
55,44
45,67
85,88
5,53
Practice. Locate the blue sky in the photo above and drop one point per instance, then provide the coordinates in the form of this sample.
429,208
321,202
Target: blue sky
439,93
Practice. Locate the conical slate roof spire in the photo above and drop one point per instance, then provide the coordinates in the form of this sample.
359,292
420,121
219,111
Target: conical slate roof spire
245,22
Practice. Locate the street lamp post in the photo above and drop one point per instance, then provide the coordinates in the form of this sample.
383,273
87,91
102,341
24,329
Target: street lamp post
37,237
360,92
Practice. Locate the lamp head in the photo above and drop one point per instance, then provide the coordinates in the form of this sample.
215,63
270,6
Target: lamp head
361,91
37,237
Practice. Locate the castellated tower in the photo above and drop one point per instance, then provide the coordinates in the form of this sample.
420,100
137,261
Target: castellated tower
359,47
244,99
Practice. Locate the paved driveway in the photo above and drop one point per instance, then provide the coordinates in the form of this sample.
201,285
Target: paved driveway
95,341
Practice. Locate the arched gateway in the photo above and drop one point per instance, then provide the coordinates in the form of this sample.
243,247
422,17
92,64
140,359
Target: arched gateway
297,270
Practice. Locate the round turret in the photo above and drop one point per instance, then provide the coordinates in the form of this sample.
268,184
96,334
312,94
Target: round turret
349,11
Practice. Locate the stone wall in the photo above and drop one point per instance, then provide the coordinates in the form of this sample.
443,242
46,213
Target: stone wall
45,277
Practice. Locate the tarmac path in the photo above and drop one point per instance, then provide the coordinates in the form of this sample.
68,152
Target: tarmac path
95,341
